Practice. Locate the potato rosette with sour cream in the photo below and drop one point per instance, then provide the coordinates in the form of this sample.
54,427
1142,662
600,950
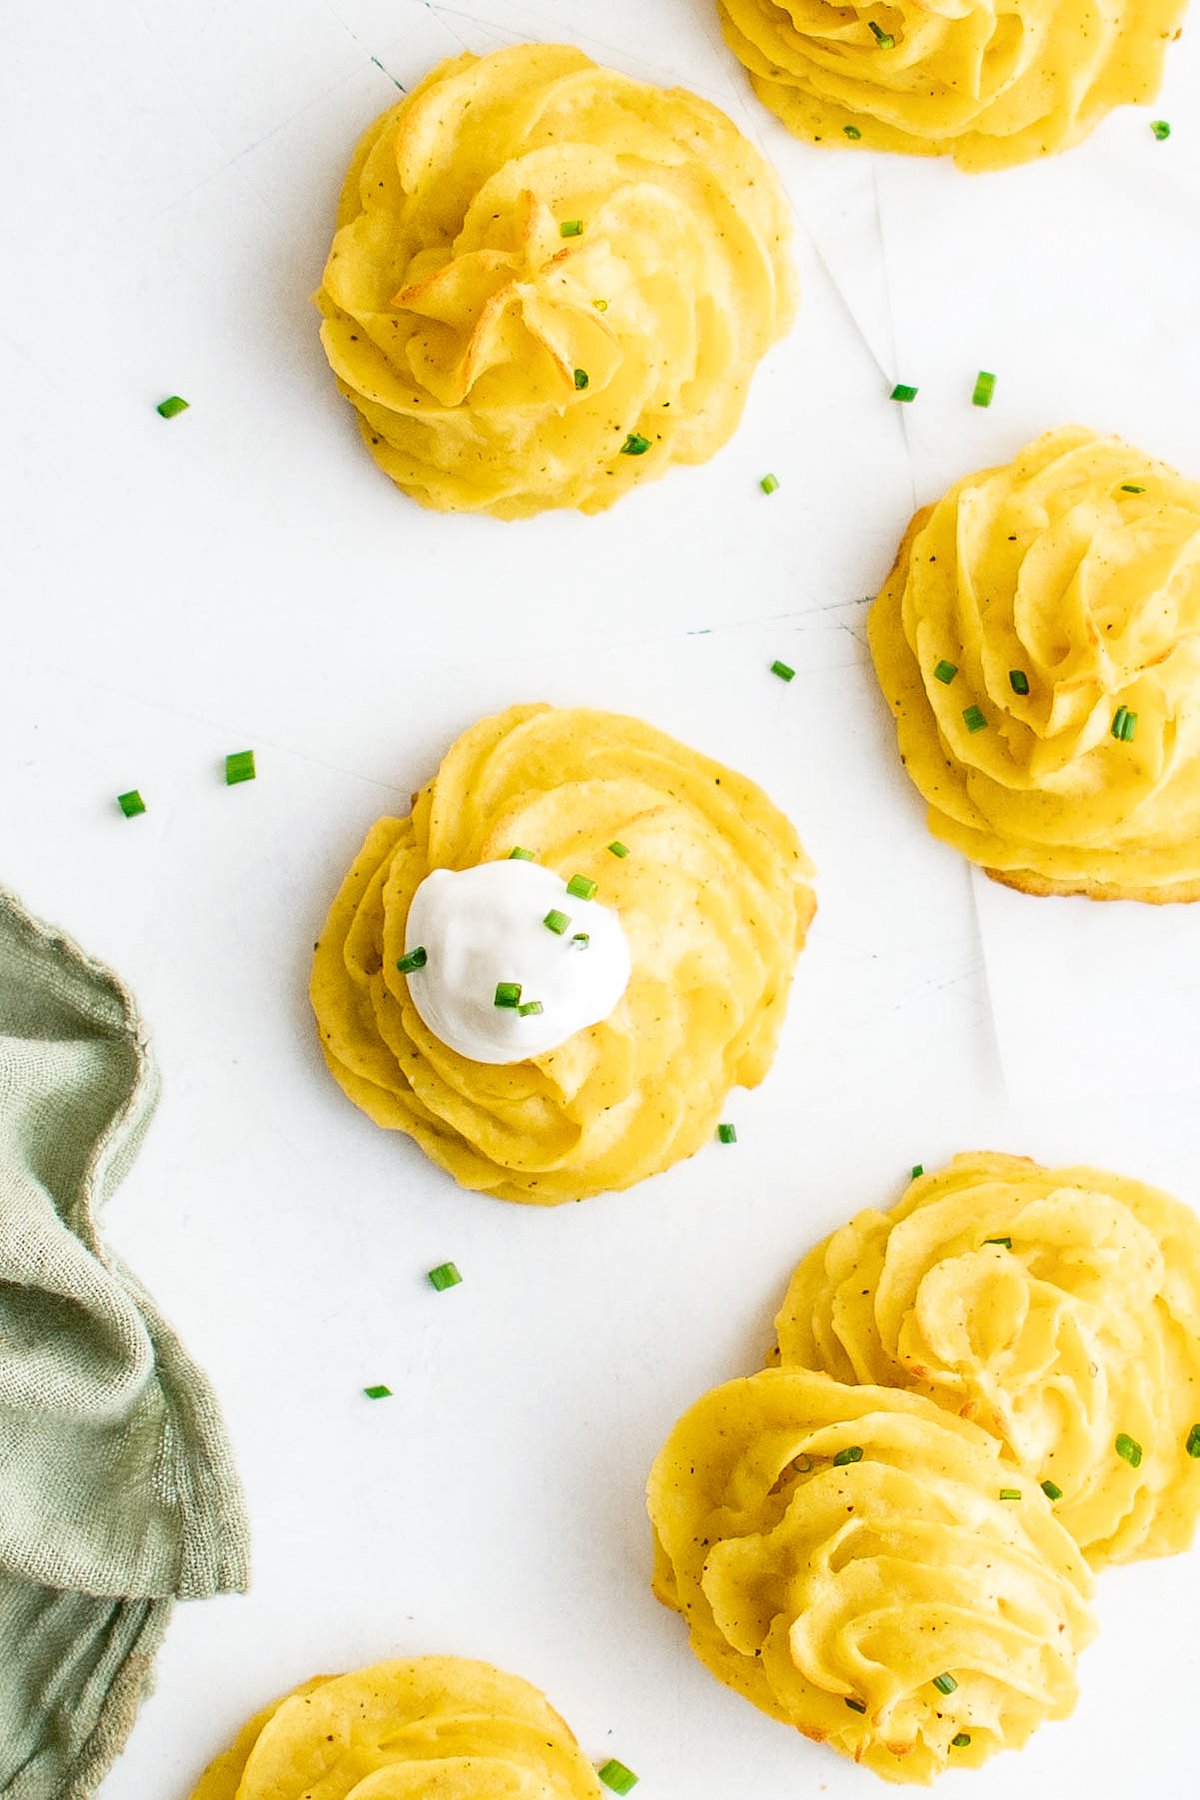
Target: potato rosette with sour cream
989,82
1039,643
430,1728
1058,1308
869,1569
594,836
550,282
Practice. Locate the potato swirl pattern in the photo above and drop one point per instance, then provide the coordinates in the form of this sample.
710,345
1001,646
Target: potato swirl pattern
550,282
713,896
1059,1308
1039,643
989,82
430,1728
844,1559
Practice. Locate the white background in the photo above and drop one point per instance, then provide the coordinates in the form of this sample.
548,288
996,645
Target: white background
243,576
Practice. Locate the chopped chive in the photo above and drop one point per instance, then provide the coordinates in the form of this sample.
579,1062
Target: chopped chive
1010,1493
378,1393
617,848
519,855
556,921
1131,487
985,387
416,958
1018,681
1052,1490
853,1454
508,993
581,887
616,1776
635,444
945,672
581,379
1005,1243
131,804
858,1706
918,1169
571,228
903,392
528,1008
960,1740
1193,1441
239,766
852,131
974,719
581,940
445,1276
600,305
769,483
1129,1448
784,670
1161,129
1124,724
945,1684
883,38
727,1134
171,407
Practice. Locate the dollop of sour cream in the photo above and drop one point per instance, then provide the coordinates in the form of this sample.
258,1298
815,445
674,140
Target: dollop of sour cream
486,926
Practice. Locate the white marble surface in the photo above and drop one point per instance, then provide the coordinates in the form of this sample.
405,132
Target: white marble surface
243,576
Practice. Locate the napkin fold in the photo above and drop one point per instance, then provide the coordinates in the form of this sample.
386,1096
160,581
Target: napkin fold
117,1487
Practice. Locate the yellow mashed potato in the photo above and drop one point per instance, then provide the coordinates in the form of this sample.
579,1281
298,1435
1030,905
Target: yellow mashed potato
1039,643
549,282
1060,1308
844,1559
989,82
714,900
433,1728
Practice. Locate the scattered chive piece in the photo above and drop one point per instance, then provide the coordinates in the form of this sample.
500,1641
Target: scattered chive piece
131,804
571,228
883,38
852,131
1131,487
445,1276
985,387
727,1134
582,939
1193,1441
1161,129
769,483
1129,1448
1005,1243
945,1684
416,958
581,379
1010,1493
378,1393
945,671
556,921
1124,724
858,1706
973,719
918,1169
519,855
508,993
903,392
171,407
1018,681
784,671
1052,1490
600,305
528,1008
635,444
581,887
616,1776
617,848
851,1455
239,766
960,1741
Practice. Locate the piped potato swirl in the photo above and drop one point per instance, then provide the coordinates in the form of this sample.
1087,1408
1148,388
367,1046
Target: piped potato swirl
844,1559
713,897
549,282
989,82
1039,643
1058,1308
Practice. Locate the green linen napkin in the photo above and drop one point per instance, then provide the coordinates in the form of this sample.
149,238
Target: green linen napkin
117,1488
